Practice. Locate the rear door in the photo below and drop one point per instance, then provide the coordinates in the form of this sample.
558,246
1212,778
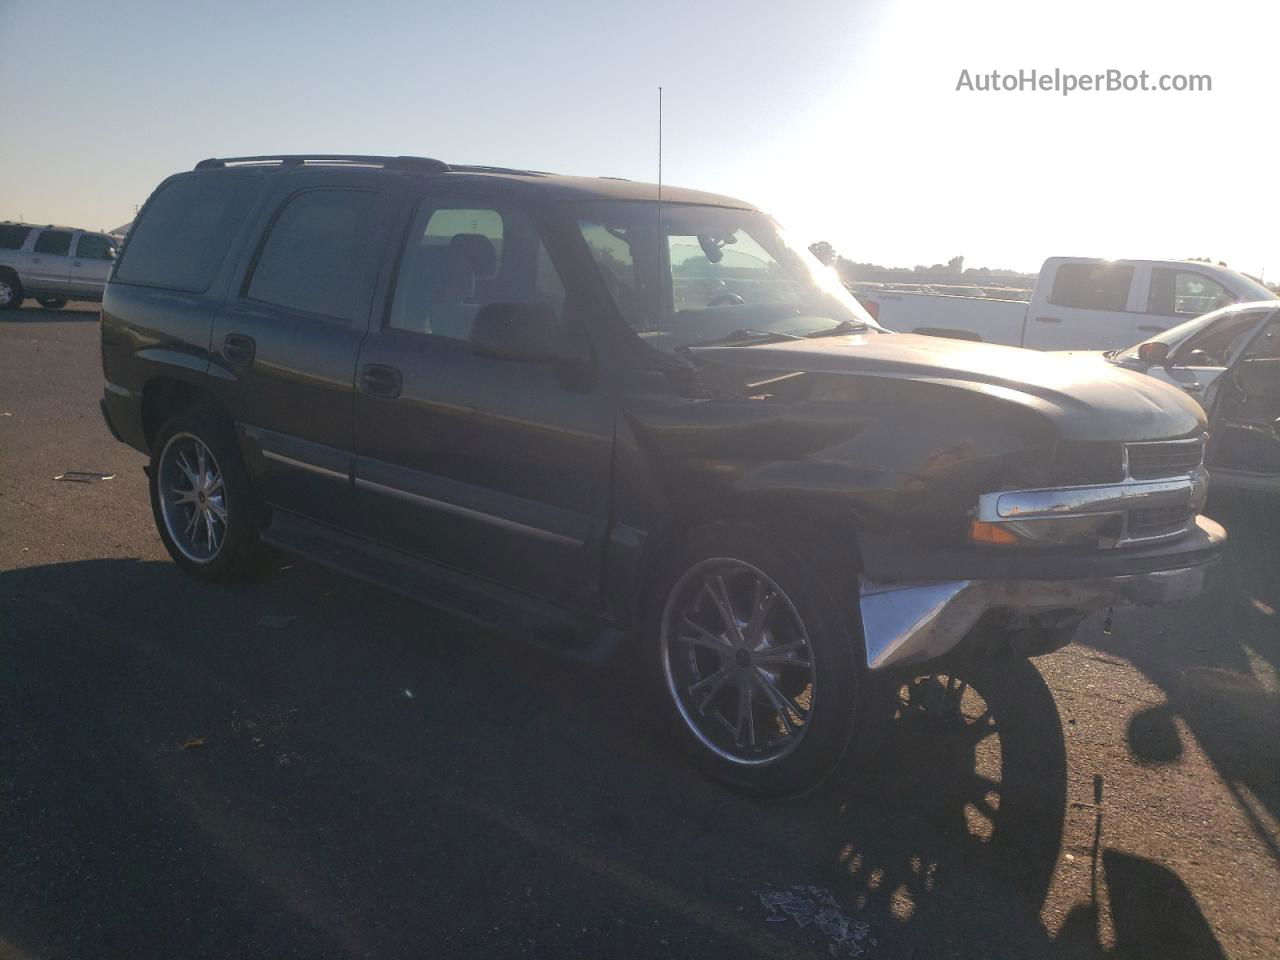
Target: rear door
1084,306
496,468
49,264
90,264
284,346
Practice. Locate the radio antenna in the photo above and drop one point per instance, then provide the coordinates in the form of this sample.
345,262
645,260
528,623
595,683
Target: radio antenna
661,270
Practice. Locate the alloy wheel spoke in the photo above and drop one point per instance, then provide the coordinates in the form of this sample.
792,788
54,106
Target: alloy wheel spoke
211,535
719,594
702,637
193,523
782,706
783,655
713,684
181,462
761,607
746,712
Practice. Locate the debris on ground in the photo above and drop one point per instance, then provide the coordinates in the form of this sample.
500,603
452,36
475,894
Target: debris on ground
807,904
193,742
84,476
276,620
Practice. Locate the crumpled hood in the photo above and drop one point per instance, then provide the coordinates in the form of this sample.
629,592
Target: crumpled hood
1085,399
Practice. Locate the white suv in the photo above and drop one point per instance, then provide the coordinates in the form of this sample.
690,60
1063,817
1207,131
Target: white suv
52,264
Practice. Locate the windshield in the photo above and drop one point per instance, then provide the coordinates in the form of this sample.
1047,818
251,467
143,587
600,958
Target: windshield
709,273
1253,289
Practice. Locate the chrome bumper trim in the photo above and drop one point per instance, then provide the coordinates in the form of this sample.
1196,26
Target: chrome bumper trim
906,623
1077,501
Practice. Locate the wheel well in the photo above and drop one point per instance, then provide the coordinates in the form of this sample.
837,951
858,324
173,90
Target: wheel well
816,528
949,334
8,272
165,396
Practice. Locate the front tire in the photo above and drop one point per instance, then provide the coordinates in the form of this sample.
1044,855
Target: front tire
11,294
757,665
201,497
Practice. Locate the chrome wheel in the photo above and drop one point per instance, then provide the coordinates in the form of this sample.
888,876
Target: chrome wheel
7,293
193,499
738,662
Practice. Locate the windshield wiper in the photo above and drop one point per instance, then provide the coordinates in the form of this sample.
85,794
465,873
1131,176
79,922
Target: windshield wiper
744,335
843,327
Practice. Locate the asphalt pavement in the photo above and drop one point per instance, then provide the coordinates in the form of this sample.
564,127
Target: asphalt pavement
305,766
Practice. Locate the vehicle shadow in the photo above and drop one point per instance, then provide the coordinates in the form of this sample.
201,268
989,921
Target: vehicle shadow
1223,681
82,313
305,766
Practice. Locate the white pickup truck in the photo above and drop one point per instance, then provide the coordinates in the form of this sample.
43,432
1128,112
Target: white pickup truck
1078,304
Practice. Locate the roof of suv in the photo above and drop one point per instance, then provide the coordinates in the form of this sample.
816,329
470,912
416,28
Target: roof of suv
46,226
560,186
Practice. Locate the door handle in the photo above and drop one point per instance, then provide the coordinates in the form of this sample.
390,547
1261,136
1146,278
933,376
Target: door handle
36,260
379,380
1048,319
238,348
76,263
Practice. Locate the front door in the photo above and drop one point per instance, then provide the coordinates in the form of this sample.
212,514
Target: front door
496,468
285,345
1245,429
90,263
49,263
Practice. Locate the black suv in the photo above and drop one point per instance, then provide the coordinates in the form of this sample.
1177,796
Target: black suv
610,416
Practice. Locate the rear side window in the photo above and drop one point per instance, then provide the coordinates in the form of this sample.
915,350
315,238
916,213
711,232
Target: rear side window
1092,286
320,256
56,243
185,232
12,237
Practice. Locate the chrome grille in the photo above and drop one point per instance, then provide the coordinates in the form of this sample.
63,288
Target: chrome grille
1170,458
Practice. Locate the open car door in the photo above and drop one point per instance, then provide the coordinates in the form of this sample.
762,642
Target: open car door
1244,446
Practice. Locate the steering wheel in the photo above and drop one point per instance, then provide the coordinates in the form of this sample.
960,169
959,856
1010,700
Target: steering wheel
725,300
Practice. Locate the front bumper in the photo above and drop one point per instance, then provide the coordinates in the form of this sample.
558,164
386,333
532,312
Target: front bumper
912,621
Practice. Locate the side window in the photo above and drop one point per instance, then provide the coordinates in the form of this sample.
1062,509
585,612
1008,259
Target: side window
1216,344
461,256
1266,346
185,231
92,247
12,237
320,256
56,243
1185,293
612,254
1092,286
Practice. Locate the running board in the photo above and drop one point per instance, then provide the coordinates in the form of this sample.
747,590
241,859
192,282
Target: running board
528,618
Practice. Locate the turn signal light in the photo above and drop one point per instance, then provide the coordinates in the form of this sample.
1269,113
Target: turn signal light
993,533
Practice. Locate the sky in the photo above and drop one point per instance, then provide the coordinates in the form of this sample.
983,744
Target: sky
839,117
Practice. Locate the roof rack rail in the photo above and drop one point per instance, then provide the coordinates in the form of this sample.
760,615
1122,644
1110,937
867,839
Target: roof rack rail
426,164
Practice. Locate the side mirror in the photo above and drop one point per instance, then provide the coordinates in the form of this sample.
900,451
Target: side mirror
1260,379
1153,352
522,332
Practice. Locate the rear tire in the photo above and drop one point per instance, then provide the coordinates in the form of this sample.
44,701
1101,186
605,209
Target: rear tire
758,668
11,295
51,303
201,497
